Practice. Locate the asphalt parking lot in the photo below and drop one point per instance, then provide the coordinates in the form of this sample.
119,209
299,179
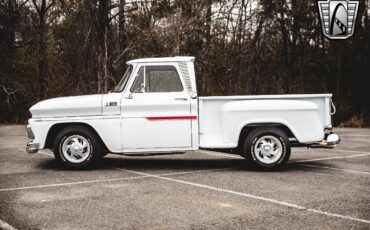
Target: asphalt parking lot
319,189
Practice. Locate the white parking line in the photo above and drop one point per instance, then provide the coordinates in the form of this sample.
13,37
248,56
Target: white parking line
179,173
103,180
358,140
45,153
295,206
220,154
331,158
69,183
354,135
40,151
346,151
308,160
333,168
5,226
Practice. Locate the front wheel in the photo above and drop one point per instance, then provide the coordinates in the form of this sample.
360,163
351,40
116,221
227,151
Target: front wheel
77,147
267,148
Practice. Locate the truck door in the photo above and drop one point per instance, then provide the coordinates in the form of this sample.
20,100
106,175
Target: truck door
156,110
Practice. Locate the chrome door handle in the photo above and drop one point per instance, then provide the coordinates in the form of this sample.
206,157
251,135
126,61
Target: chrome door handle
181,99
130,96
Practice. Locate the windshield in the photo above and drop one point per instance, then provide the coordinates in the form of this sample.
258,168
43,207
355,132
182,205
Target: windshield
122,84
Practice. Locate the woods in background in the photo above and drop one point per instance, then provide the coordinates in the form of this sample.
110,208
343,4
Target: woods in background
52,48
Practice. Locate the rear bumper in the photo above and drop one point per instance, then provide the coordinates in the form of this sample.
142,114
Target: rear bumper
330,141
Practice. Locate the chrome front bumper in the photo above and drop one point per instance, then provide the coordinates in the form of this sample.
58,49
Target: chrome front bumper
330,141
32,147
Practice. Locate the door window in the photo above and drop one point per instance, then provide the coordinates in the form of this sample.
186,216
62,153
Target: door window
162,79
157,79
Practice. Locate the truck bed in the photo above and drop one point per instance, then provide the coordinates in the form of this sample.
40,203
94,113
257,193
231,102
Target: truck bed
213,132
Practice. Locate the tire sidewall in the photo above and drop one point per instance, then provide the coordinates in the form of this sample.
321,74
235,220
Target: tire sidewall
251,141
58,145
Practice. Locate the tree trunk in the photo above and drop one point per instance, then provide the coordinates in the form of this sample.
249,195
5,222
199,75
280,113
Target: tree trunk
208,22
104,51
41,45
122,35
186,12
285,51
12,4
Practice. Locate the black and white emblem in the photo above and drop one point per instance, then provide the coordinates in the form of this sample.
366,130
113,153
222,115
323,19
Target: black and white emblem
338,18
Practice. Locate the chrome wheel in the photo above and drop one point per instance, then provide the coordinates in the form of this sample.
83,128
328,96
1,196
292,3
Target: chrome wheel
268,149
76,148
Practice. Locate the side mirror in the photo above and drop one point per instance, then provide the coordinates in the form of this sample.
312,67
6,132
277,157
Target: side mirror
142,88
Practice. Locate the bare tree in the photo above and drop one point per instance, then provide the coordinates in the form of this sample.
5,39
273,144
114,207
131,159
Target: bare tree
42,7
242,47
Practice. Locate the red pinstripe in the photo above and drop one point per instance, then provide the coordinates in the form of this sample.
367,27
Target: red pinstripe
172,118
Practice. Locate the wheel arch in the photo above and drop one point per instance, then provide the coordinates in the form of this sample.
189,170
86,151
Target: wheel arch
56,128
248,128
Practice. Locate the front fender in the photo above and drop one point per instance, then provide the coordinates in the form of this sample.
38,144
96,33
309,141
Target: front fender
107,127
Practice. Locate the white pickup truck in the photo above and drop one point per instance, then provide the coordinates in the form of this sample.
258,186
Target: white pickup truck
155,110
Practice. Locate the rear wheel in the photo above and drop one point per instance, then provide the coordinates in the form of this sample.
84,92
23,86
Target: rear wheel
77,147
267,147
